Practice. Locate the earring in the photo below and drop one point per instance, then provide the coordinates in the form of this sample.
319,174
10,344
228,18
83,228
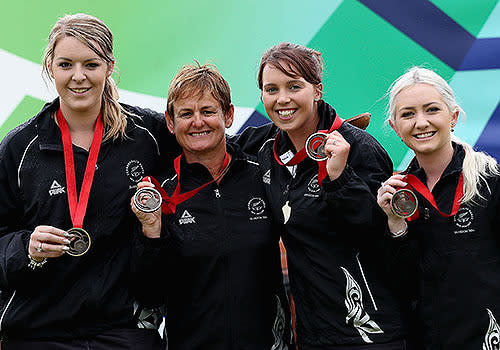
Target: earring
453,127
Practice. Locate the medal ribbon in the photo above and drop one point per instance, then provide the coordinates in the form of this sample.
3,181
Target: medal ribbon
414,182
78,207
301,155
170,202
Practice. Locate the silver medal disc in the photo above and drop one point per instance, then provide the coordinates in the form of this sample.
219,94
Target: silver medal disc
80,243
315,146
404,203
147,200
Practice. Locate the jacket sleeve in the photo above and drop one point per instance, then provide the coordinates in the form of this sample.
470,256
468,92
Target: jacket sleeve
352,195
148,265
166,143
14,237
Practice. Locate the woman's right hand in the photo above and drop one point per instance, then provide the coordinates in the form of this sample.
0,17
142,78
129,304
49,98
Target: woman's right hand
384,196
48,242
151,222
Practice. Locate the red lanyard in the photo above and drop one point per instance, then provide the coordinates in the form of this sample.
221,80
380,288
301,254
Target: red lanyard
78,207
414,182
170,203
301,155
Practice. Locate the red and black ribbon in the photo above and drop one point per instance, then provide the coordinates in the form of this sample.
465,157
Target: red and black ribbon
301,155
78,205
170,202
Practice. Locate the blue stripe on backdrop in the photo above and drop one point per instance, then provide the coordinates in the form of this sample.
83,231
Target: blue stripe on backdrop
255,119
488,141
484,54
426,24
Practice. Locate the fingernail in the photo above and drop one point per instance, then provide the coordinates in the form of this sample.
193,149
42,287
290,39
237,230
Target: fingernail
66,241
66,234
65,248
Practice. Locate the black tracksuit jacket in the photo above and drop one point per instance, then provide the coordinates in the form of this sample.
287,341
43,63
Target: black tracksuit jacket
337,276
457,261
217,264
71,297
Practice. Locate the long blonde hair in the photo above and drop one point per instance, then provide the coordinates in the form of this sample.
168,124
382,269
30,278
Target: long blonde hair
89,30
477,166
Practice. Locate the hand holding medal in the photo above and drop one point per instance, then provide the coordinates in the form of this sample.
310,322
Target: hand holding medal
48,242
337,150
387,199
146,205
395,201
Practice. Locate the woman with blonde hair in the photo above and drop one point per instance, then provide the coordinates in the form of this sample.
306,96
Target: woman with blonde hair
451,232
66,176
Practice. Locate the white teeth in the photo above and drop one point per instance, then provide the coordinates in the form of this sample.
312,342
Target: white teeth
427,134
286,113
200,133
80,90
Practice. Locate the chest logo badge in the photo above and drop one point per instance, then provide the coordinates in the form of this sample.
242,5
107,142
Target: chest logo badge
464,217
134,170
186,218
313,188
266,178
55,188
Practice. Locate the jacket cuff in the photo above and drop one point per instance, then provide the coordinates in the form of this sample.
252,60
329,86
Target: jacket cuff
154,243
341,181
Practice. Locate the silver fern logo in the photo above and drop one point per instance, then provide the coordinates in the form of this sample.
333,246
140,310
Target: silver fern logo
355,310
279,327
492,338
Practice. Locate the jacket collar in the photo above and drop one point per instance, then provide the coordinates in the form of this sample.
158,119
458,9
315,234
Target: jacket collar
198,173
455,165
49,135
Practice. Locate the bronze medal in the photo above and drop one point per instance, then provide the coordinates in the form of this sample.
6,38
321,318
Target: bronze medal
80,243
404,203
315,146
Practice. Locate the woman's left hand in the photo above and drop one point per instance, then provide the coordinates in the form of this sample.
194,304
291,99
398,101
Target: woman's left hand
337,151
151,222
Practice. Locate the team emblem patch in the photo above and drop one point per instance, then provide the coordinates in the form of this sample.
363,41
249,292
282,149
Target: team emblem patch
463,218
257,208
134,170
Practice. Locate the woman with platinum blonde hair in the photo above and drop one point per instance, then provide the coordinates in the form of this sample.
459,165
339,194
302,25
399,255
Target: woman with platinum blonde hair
66,177
443,214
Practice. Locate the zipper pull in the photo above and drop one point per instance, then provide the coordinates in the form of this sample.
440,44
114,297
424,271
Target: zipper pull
285,192
217,193
427,214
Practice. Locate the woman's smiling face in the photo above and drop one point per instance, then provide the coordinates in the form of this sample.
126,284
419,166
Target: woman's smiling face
422,119
79,75
289,101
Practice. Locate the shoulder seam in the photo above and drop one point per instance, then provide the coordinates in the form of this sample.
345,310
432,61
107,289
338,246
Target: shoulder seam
22,160
261,147
150,134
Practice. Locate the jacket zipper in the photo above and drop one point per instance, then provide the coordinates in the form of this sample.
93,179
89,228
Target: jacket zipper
6,308
366,283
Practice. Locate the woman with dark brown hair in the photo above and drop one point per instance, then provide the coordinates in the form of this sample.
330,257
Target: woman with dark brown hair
321,176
